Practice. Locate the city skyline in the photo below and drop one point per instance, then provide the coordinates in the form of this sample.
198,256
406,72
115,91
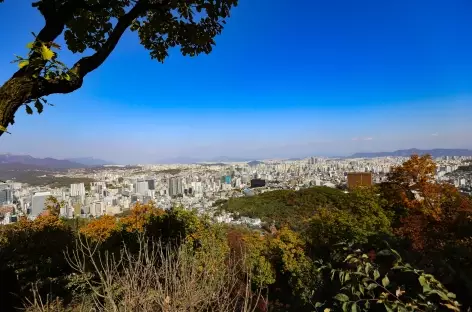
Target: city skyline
331,80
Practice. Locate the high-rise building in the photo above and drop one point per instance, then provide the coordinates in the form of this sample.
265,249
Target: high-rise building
151,184
38,202
175,186
197,188
5,194
142,187
77,189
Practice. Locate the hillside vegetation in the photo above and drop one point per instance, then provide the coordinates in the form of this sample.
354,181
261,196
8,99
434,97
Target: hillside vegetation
374,249
286,207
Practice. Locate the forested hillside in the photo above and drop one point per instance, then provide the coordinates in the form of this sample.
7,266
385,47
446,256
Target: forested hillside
405,245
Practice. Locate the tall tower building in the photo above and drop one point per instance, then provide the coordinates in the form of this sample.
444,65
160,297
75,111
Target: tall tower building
142,187
175,186
77,189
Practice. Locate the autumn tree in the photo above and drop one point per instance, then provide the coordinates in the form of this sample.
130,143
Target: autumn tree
433,209
97,26
53,205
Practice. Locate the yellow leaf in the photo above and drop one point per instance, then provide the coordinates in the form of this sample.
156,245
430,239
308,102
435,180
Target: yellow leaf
23,63
3,129
326,310
46,53
30,45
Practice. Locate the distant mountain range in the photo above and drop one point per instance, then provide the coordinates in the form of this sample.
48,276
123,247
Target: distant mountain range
193,160
437,152
90,161
27,161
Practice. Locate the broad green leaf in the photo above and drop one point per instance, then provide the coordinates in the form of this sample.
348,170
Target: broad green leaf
451,295
318,305
371,286
23,63
345,306
46,53
354,308
29,110
341,297
39,106
347,277
385,281
361,289
376,274
387,308
422,280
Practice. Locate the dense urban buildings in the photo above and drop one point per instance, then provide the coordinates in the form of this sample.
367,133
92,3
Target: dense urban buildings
198,186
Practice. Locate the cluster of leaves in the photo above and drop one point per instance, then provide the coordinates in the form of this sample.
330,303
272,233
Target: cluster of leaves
366,284
42,62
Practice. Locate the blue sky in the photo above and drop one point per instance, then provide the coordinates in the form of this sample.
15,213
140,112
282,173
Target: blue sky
286,79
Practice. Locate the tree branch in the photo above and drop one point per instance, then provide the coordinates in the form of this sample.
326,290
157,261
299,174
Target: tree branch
89,63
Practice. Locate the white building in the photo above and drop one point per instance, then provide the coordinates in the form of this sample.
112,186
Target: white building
77,189
38,202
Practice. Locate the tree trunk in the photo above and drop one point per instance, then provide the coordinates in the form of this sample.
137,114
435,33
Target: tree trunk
23,88
13,94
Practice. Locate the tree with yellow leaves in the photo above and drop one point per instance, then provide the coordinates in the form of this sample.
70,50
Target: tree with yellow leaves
100,229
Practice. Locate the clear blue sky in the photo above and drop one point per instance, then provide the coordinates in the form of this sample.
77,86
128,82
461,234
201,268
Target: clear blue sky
287,78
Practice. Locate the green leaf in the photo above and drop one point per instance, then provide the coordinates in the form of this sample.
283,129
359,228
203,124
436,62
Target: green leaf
371,286
46,53
23,63
354,307
451,295
39,106
347,277
361,289
387,308
29,111
318,305
422,280
345,306
396,254
385,281
376,274
30,45
341,297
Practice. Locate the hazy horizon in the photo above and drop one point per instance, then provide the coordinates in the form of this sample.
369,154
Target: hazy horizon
331,80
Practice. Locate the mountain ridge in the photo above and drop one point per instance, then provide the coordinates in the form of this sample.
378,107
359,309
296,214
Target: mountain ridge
44,163
436,152
90,161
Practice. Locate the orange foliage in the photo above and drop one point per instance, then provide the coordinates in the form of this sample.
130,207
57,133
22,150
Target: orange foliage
140,216
433,208
101,228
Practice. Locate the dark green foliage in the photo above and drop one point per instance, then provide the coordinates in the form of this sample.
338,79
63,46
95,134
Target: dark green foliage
286,207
